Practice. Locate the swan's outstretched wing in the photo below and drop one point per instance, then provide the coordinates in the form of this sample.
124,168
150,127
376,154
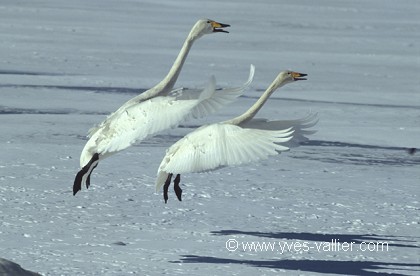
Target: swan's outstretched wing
221,98
175,94
139,121
301,127
218,145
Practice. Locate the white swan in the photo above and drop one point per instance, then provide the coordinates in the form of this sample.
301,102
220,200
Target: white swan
139,117
237,141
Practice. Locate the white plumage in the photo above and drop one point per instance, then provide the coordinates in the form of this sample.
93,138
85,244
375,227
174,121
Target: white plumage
219,145
234,142
139,121
301,127
147,113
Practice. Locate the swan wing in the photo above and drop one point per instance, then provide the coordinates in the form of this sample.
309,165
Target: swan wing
301,127
221,98
139,121
218,145
133,101
216,100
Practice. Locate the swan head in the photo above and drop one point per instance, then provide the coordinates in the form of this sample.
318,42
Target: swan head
207,26
288,76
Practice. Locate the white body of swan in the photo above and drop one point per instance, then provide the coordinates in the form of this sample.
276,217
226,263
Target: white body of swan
147,113
234,142
140,121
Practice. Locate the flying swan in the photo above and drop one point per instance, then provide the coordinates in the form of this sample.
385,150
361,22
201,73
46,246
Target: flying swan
157,109
237,141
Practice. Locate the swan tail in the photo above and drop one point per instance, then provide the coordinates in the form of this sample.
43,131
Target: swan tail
160,180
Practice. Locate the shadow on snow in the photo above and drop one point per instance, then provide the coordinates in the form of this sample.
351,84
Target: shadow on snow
356,154
319,237
318,266
98,89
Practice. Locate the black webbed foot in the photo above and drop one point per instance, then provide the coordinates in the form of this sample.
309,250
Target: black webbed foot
178,190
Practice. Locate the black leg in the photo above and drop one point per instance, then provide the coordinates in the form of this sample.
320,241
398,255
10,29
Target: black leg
88,178
77,186
178,190
166,187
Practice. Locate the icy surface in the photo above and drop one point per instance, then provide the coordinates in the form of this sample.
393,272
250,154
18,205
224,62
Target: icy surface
66,64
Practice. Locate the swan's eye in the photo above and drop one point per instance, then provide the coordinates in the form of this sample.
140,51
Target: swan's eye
208,21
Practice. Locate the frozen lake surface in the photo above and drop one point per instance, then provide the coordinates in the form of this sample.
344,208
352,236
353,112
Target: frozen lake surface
67,64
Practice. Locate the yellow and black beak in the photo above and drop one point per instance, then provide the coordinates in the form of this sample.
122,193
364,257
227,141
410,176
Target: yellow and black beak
298,76
218,27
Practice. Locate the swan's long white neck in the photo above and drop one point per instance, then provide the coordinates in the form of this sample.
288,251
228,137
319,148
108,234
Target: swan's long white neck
253,110
167,84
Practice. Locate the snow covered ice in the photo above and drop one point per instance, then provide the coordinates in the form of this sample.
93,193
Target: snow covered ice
67,64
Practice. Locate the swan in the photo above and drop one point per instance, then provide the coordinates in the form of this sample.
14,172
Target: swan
237,141
113,135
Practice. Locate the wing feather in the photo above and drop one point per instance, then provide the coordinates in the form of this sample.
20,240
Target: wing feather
218,145
221,98
139,121
301,127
